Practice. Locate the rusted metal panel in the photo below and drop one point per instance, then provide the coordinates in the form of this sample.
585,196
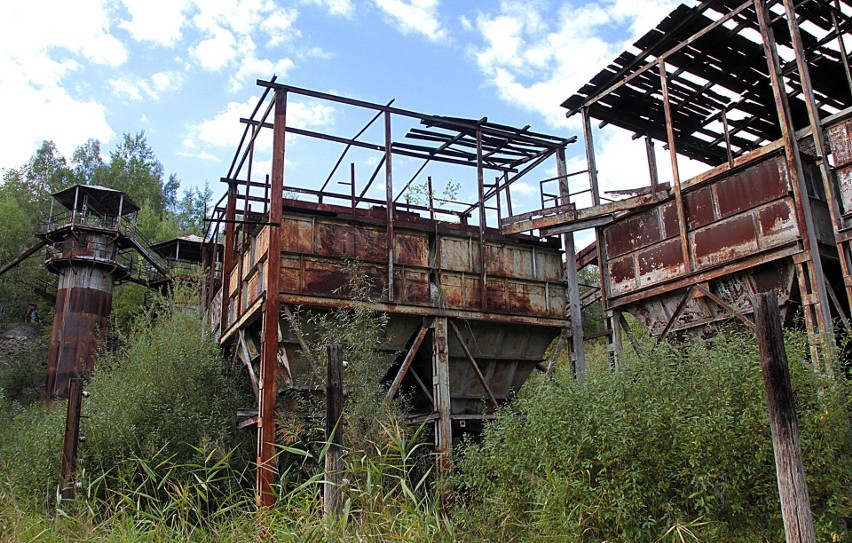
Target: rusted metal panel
459,290
659,262
412,286
699,208
297,235
668,216
844,184
83,304
725,241
622,273
411,249
839,138
496,292
291,273
634,232
458,254
751,187
777,223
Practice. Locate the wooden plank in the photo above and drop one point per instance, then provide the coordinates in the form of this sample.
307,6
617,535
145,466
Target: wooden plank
441,392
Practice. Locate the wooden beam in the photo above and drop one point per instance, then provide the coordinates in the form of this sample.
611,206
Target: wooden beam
332,505
406,363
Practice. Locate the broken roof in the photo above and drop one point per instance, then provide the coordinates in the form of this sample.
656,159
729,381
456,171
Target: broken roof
723,70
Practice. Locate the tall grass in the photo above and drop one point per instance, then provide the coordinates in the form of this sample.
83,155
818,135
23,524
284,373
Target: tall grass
674,446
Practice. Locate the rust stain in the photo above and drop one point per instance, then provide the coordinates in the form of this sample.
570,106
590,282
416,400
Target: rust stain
698,207
622,274
660,262
725,241
633,233
751,187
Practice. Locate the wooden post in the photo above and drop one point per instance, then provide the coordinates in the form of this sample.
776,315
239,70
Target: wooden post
575,305
72,437
333,431
792,486
441,395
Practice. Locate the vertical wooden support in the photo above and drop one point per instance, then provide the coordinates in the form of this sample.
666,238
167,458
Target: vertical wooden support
480,180
681,214
811,277
441,395
727,131
591,162
267,386
575,305
389,198
614,347
333,431
652,164
792,486
67,484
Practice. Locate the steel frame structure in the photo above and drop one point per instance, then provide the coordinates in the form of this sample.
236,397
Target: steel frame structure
274,244
759,90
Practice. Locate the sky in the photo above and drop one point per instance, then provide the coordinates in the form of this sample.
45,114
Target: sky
184,71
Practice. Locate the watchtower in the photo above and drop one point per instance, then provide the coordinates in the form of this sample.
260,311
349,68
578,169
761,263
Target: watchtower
90,237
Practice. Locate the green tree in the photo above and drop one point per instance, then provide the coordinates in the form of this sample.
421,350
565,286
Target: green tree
136,171
88,164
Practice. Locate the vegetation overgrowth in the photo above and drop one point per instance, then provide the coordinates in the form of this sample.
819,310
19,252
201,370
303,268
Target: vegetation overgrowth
674,446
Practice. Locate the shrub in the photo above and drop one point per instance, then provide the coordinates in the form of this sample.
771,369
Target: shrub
676,441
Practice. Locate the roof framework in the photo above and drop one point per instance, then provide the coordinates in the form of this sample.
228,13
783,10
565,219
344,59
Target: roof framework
718,84
507,152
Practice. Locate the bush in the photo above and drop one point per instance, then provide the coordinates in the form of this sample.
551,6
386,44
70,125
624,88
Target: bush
164,393
676,442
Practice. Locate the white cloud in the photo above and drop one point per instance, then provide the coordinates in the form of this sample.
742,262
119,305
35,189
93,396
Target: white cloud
252,67
201,155
137,88
230,32
125,88
157,21
39,47
415,16
537,55
343,8
215,52
223,131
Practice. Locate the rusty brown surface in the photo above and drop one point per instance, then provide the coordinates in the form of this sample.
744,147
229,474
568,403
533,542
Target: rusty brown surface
523,278
83,304
731,217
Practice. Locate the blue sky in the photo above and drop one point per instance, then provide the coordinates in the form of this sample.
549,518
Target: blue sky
184,71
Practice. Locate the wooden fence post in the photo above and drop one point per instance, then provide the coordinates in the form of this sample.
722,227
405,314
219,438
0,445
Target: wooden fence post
792,486
333,431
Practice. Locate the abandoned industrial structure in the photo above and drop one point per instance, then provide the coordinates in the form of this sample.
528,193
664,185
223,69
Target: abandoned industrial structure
758,91
476,291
